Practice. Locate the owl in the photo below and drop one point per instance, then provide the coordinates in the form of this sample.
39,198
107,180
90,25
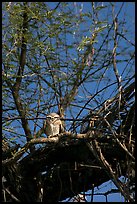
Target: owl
53,125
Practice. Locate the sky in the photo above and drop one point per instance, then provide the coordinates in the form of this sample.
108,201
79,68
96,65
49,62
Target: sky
130,24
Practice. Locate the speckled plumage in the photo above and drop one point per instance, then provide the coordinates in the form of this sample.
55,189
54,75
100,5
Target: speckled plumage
53,125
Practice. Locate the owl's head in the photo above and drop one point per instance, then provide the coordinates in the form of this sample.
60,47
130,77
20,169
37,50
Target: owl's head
52,116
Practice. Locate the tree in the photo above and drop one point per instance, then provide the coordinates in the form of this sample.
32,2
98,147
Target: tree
72,59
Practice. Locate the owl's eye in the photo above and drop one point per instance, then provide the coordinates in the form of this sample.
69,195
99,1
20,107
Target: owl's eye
48,117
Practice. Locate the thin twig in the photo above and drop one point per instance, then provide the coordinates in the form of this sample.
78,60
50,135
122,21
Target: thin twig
16,199
120,144
96,151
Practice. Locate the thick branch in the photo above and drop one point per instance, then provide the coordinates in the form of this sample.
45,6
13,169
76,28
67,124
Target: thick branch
16,87
23,50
